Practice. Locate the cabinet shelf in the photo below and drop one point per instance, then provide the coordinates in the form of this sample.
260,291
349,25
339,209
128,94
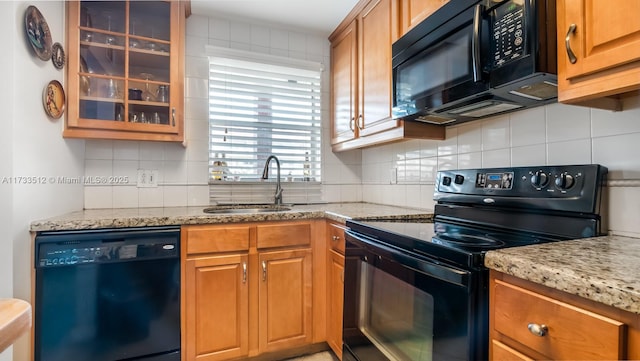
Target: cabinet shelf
149,103
101,99
102,45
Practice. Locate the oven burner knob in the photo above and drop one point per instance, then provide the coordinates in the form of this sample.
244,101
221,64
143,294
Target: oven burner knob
446,181
539,179
564,181
459,179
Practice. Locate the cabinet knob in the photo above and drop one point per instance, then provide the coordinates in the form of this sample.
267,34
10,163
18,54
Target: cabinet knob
567,44
538,330
335,238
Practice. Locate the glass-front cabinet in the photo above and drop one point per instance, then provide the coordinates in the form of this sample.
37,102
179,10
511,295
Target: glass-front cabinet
125,75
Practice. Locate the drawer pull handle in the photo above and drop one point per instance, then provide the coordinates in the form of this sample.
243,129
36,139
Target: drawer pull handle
335,238
264,271
244,272
538,330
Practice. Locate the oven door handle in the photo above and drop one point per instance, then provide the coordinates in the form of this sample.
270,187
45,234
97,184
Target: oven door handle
415,262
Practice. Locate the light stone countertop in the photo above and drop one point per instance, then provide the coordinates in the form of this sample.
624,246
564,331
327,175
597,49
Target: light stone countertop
147,217
603,269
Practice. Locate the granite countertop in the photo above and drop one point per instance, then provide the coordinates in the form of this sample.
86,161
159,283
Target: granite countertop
146,217
603,269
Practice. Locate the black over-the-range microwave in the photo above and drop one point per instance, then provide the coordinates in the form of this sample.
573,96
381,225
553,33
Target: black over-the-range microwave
473,59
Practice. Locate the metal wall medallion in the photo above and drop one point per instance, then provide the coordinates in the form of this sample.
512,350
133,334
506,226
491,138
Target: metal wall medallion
38,32
57,56
53,99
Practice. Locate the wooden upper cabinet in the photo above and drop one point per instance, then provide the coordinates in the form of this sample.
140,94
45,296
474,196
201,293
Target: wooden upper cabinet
604,39
361,80
414,11
125,72
344,82
377,29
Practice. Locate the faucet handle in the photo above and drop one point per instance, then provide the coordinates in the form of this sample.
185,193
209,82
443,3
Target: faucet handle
278,196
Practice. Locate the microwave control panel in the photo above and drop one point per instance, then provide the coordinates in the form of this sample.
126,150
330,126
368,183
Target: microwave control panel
508,24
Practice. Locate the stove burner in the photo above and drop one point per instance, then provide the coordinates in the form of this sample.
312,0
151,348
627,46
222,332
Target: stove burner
468,240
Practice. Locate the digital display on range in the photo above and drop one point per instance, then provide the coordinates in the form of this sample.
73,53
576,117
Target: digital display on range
494,180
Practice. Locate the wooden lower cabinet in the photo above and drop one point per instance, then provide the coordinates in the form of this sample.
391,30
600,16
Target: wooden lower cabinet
217,305
248,290
335,299
531,322
503,352
285,299
335,285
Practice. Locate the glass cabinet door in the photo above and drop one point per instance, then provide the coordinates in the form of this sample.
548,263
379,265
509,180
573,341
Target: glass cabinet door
149,62
123,69
102,61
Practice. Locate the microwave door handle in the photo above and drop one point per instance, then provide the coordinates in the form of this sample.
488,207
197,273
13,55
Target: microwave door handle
475,44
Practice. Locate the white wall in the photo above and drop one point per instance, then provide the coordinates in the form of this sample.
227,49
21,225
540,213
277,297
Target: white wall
7,25
183,173
553,134
31,145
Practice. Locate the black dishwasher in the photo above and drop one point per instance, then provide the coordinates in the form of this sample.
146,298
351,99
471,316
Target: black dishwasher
106,295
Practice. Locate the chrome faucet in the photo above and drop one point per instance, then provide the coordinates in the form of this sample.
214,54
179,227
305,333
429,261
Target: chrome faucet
265,175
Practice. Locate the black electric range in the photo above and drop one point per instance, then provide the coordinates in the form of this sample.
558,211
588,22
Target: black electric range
419,290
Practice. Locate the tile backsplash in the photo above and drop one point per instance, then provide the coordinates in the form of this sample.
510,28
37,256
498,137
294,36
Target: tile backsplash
404,173
398,174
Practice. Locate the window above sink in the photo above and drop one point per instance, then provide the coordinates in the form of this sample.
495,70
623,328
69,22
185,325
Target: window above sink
261,105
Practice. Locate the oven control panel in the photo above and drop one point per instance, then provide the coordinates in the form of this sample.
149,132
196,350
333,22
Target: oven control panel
550,187
494,180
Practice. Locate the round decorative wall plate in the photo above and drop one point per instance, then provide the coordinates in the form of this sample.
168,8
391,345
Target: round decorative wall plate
53,99
38,32
57,56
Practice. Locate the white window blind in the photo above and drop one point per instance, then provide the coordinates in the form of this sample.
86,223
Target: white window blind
258,109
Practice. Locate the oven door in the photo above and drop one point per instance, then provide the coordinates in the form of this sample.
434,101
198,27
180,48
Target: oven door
404,306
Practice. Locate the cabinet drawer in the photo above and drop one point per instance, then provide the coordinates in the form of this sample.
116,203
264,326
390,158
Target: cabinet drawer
336,237
207,239
283,235
572,333
502,352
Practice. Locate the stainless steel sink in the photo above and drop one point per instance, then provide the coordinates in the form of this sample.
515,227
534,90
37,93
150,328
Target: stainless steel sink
239,209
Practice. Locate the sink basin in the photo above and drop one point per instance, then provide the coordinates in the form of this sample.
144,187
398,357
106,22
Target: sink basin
253,209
